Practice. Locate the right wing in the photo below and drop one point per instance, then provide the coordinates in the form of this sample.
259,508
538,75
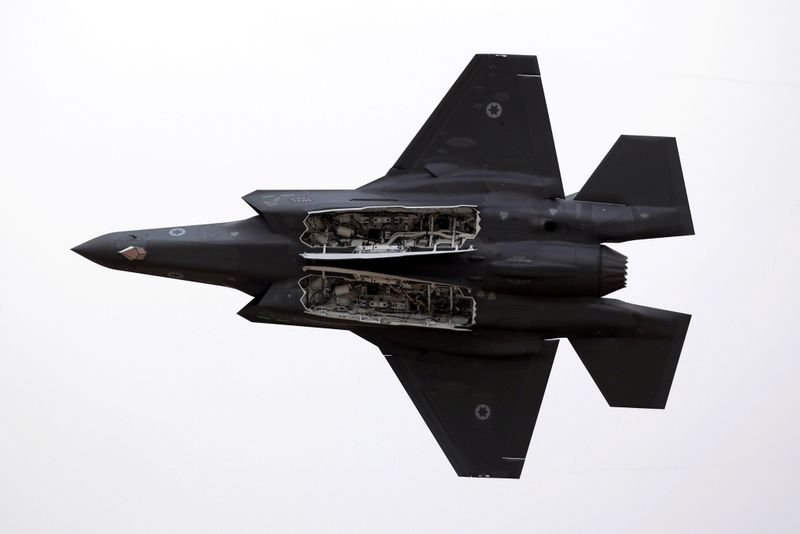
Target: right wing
480,408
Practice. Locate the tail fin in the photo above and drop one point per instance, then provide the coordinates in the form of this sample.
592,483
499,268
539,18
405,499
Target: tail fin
637,372
643,171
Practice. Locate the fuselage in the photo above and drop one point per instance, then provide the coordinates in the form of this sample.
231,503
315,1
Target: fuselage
460,265
520,262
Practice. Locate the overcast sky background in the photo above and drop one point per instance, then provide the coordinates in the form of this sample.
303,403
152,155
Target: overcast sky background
134,404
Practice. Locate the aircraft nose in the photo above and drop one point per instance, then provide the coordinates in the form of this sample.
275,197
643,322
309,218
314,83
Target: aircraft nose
100,250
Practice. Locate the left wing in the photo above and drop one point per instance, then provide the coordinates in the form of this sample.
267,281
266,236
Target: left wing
480,408
493,118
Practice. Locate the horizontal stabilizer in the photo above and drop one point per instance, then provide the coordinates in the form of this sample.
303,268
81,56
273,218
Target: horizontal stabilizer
636,372
643,172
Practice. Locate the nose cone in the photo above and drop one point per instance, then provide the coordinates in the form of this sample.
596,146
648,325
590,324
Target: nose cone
241,254
101,250
94,249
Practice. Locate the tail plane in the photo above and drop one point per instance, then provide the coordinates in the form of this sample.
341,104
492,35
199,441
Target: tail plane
645,174
636,371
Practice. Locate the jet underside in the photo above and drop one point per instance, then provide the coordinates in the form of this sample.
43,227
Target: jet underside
464,264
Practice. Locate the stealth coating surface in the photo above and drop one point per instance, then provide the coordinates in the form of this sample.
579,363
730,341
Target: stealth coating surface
470,335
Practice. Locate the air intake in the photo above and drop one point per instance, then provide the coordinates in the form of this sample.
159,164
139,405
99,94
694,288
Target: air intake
612,267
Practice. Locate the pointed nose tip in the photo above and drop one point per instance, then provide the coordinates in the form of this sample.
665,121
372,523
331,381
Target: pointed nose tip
99,250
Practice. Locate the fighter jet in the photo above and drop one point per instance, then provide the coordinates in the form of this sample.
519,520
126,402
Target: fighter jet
464,264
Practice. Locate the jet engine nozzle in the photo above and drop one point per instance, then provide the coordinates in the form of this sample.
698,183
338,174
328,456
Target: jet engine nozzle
612,268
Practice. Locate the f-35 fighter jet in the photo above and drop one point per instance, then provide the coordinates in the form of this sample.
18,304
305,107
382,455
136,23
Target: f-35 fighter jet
464,264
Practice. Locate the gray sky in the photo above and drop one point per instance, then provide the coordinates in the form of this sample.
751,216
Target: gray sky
135,404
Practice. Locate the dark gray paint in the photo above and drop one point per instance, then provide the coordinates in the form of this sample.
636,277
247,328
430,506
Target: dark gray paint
538,270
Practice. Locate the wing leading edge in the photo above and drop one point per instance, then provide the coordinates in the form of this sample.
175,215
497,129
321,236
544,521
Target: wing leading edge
480,408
